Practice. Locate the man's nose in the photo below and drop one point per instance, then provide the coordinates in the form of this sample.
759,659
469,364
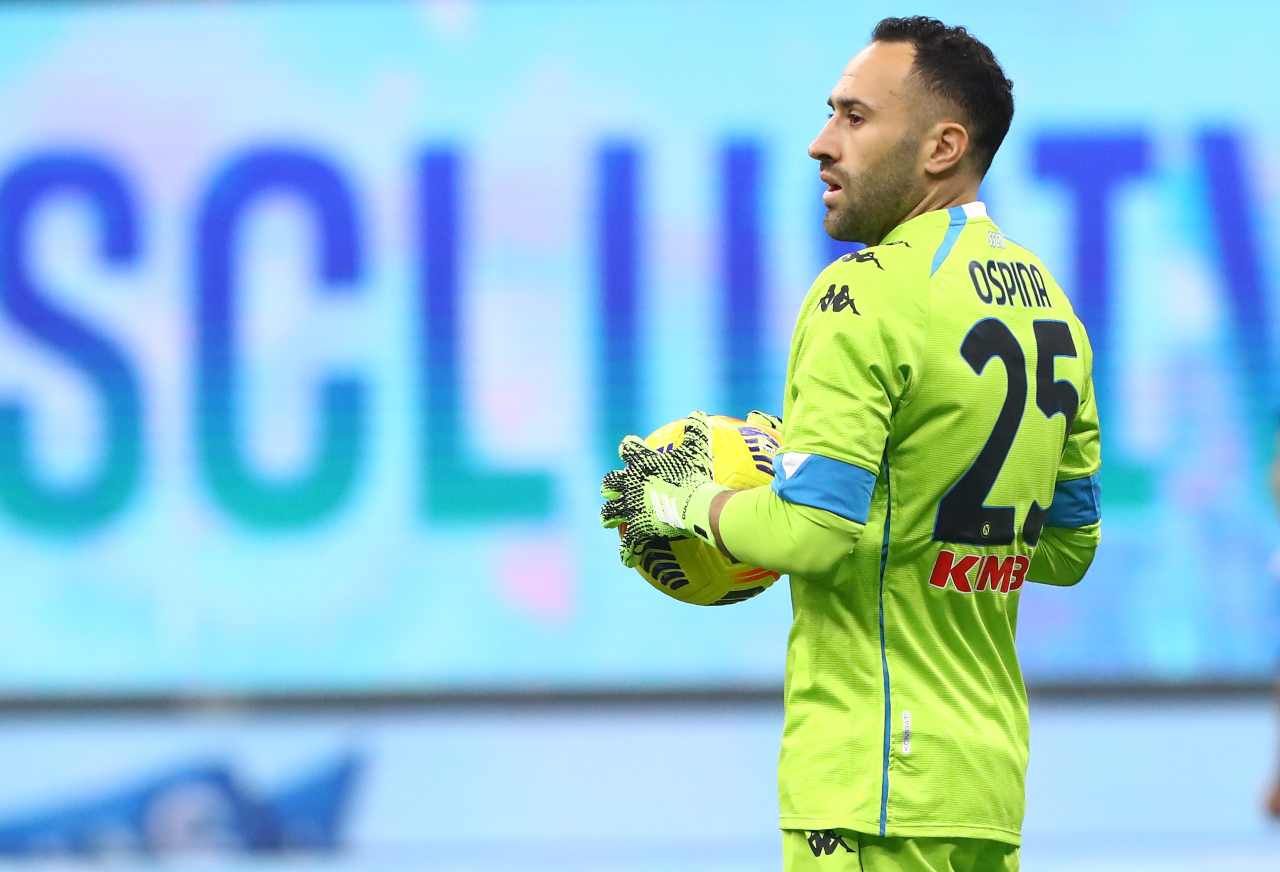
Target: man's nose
820,149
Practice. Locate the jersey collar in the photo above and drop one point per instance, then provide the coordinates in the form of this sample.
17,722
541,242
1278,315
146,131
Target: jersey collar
974,210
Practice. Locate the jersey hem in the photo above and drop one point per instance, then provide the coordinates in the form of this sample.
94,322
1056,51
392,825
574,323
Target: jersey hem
872,828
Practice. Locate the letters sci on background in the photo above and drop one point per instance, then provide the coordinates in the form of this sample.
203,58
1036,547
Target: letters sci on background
312,387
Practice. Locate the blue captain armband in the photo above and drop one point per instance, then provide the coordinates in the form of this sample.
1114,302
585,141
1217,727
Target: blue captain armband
1076,503
824,483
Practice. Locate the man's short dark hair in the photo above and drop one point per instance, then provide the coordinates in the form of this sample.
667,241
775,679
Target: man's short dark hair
956,66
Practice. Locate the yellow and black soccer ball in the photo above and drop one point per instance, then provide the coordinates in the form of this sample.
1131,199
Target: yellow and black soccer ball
690,570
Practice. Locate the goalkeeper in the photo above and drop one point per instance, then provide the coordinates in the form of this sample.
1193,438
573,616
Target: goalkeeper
940,447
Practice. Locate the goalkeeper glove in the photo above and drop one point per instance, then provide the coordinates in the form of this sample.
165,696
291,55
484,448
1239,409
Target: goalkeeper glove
756,418
661,494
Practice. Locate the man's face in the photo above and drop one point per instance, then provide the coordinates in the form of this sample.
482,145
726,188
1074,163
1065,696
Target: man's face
869,151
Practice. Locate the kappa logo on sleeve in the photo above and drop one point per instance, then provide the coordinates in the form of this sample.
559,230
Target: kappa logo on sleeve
838,301
865,255
868,255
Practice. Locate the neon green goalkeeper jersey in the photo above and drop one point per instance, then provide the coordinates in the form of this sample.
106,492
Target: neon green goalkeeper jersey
939,393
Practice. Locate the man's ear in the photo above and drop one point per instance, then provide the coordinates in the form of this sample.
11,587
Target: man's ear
947,144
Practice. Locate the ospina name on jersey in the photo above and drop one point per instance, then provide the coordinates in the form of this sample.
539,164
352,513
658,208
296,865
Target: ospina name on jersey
1006,283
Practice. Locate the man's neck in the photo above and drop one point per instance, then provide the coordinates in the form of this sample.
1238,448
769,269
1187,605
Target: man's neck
944,197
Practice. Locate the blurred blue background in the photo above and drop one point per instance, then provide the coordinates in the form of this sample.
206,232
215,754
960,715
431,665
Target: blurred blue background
319,322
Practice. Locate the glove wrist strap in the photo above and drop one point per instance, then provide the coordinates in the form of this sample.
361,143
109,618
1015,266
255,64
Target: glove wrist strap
697,514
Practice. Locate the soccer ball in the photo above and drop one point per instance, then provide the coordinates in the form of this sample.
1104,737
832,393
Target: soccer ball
690,570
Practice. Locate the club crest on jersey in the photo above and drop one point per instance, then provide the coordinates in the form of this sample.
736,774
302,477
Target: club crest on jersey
837,301
968,573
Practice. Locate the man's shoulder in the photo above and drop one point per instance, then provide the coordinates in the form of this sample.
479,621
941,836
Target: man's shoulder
997,241
895,267
888,259
881,287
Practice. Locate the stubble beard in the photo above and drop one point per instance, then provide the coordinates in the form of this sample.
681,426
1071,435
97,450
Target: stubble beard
877,199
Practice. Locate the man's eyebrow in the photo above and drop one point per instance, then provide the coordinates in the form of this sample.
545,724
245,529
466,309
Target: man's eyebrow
846,103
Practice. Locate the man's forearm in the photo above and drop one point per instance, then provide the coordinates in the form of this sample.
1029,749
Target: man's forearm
759,528
1064,554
